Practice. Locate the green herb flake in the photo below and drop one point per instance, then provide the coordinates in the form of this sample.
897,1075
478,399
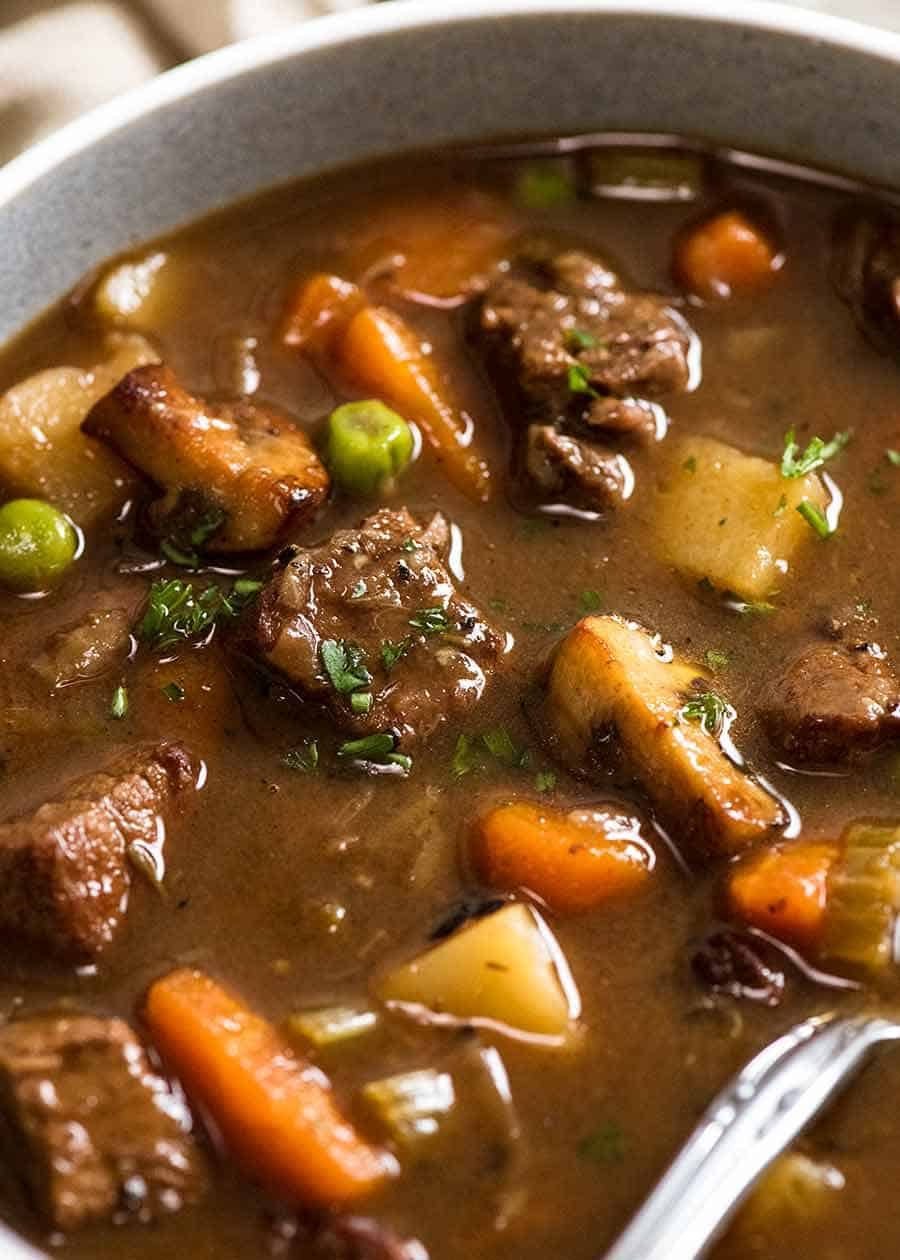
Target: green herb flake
577,339
359,590
589,602
708,708
378,749
544,186
893,457
815,518
304,758
344,664
179,555
174,692
409,544
207,526
545,780
361,701
176,611
245,589
797,464
754,608
432,621
781,507
503,748
466,756
705,585
392,652
118,709
690,464
579,381
605,1145
716,660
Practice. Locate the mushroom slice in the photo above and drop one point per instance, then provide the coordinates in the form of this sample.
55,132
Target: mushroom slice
609,682
233,474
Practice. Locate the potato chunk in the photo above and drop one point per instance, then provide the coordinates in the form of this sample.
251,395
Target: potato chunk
124,293
505,969
44,454
237,472
608,678
732,518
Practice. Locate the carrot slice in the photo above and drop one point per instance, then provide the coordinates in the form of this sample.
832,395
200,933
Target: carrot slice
318,310
275,1112
385,357
785,892
572,862
724,255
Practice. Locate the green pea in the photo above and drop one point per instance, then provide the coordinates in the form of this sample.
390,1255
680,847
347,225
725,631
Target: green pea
368,445
37,544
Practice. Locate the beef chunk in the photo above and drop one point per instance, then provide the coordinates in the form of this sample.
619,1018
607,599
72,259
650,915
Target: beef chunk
97,1133
64,874
584,354
835,699
361,1238
556,461
732,963
87,650
373,592
866,272
233,474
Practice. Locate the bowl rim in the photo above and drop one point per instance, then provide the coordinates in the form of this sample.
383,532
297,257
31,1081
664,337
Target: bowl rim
352,25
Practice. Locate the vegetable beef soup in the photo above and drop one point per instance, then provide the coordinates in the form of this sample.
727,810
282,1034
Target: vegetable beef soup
451,702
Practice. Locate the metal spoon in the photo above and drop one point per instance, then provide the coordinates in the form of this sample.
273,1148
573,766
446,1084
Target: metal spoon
745,1128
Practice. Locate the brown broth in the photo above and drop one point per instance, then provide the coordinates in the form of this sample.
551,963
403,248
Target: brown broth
265,852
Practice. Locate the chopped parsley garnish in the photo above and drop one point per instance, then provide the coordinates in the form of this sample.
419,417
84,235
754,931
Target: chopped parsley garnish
392,652
605,1146
177,555
815,518
361,701
753,607
503,748
358,590
244,589
708,708
174,692
207,525
580,381
176,611
545,780
893,457
179,552
119,707
577,339
432,621
466,756
345,665
781,506
544,186
797,464
589,602
304,758
716,660
690,464
379,749
409,544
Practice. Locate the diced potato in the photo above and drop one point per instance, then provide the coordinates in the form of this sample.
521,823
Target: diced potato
124,294
44,454
608,678
505,970
796,1190
732,518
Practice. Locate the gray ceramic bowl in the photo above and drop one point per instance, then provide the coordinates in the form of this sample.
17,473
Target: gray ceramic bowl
757,76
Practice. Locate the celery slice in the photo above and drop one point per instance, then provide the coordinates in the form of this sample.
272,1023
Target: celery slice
412,1105
330,1026
864,897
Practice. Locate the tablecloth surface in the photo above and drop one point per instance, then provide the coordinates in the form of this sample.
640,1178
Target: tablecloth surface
59,58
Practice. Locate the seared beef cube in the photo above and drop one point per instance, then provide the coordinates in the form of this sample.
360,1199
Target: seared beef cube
866,272
586,324
557,461
379,601
87,650
64,873
833,701
234,474
97,1133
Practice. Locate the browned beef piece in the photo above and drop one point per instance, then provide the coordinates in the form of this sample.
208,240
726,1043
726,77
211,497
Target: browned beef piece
374,590
575,314
234,474
64,871
361,1238
836,698
556,461
87,650
866,272
97,1134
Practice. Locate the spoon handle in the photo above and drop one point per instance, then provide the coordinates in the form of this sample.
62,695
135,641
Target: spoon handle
746,1127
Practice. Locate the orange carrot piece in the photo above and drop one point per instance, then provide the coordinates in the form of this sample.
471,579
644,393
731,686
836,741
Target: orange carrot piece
275,1112
724,255
573,864
318,310
384,356
785,892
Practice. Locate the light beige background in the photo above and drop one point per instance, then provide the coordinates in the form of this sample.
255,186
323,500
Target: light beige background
59,58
